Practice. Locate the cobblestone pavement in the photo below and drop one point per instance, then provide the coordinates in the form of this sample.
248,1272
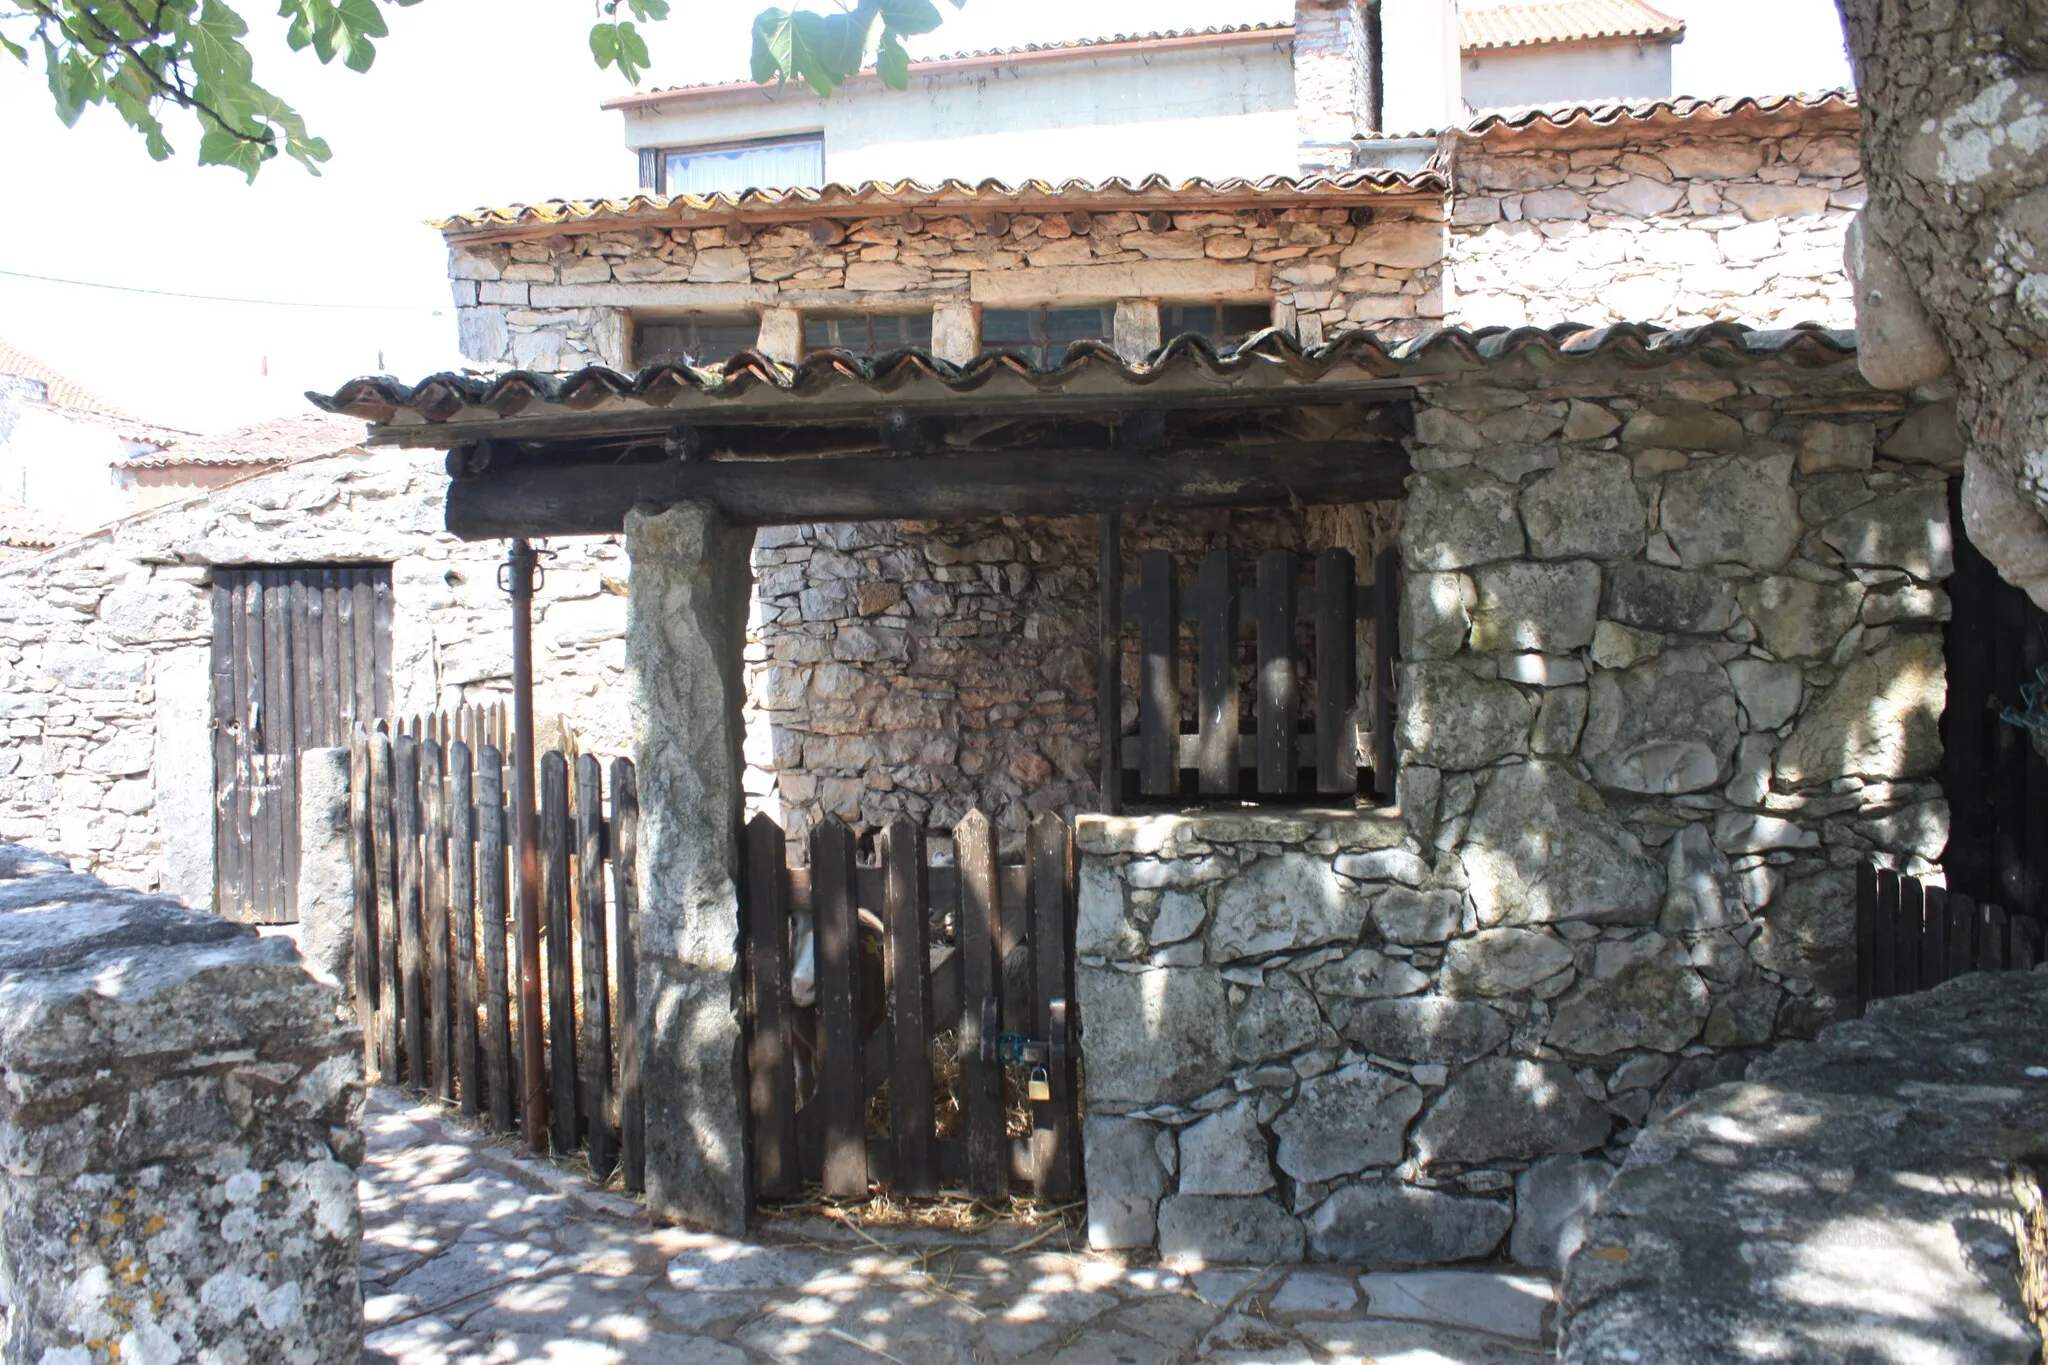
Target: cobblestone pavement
473,1255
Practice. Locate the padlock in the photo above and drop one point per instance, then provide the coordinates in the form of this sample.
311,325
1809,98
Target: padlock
1040,1086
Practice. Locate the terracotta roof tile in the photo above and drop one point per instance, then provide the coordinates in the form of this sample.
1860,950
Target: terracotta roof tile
1563,21
887,196
1273,354
301,436
62,390
1550,118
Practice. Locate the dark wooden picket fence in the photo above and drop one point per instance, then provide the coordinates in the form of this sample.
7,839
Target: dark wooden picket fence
436,953
1910,936
1277,698
979,948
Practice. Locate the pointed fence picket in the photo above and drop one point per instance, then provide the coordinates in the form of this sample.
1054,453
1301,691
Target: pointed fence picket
436,953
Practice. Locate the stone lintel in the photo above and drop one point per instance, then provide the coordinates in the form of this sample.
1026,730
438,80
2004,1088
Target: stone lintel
686,631
1135,279
676,294
1106,835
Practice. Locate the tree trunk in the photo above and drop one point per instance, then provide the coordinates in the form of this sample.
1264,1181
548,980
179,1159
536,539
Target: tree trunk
1955,146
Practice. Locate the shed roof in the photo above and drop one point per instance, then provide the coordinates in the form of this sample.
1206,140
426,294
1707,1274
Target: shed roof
283,440
875,197
452,408
1553,23
61,390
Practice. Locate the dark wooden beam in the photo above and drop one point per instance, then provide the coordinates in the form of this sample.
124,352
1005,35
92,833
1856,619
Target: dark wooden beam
590,500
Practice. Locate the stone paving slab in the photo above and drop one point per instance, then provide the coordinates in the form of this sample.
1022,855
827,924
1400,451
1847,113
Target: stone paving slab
473,1255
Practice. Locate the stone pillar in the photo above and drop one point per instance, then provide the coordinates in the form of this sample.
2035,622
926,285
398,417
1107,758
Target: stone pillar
956,331
180,1138
686,608
326,872
782,335
1137,329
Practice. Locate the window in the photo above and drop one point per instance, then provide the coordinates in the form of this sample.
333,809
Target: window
1222,324
695,339
784,164
867,333
1045,333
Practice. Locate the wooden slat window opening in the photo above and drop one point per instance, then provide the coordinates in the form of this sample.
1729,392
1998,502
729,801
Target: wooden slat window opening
301,654
1911,936
1277,703
944,983
436,954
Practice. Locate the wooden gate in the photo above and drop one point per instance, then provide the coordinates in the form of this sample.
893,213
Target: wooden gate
300,653
444,1001
1911,936
961,1075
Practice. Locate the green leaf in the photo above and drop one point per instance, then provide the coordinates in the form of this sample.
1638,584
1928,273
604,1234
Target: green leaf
634,58
769,29
911,16
604,44
892,63
20,52
649,11
363,18
219,147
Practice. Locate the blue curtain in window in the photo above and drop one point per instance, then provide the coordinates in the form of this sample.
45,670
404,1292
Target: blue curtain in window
798,164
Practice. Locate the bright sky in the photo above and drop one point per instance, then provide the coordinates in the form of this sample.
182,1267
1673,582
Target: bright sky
471,102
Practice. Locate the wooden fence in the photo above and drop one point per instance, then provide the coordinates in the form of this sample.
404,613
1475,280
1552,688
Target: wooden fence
1910,936
977,948
1288,739
436,946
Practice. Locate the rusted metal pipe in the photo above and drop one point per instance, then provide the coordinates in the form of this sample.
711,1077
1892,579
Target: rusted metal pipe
519,573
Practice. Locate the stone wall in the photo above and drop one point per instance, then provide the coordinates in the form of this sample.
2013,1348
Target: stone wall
560,302
106,690
1672,667
179,1143
1641,223
924,668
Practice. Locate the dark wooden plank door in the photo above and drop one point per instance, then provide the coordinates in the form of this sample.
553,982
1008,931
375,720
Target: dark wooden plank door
300,654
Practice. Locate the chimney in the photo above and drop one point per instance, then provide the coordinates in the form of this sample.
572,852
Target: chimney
1421,82
1336,76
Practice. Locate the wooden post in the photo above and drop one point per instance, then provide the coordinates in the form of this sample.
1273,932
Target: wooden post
363,867
981,1082
905,894
1054,1148
842,1089
434,918
526,834
405,768
597,1005
626,934
1159,696
491,888
1866,933
383,833
1110,661
1336,673
1386,648
462,920
561,953
1279,687
771,1077
1216,677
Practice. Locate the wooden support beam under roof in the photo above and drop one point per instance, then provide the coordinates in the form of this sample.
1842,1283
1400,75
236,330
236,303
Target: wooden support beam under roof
593,499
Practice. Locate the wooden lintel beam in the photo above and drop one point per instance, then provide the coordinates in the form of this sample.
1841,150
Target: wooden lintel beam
590,500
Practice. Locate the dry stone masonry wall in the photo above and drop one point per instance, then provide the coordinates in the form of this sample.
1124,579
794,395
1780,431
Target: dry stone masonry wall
179,1141
1654,227
106,688
1672,667
556,303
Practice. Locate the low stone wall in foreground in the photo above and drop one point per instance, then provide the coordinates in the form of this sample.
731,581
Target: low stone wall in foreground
179,1131
1866,1196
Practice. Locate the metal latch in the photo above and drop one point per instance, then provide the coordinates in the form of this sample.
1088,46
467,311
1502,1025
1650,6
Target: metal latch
1000,1049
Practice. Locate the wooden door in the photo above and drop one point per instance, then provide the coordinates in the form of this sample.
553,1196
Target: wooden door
300,652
